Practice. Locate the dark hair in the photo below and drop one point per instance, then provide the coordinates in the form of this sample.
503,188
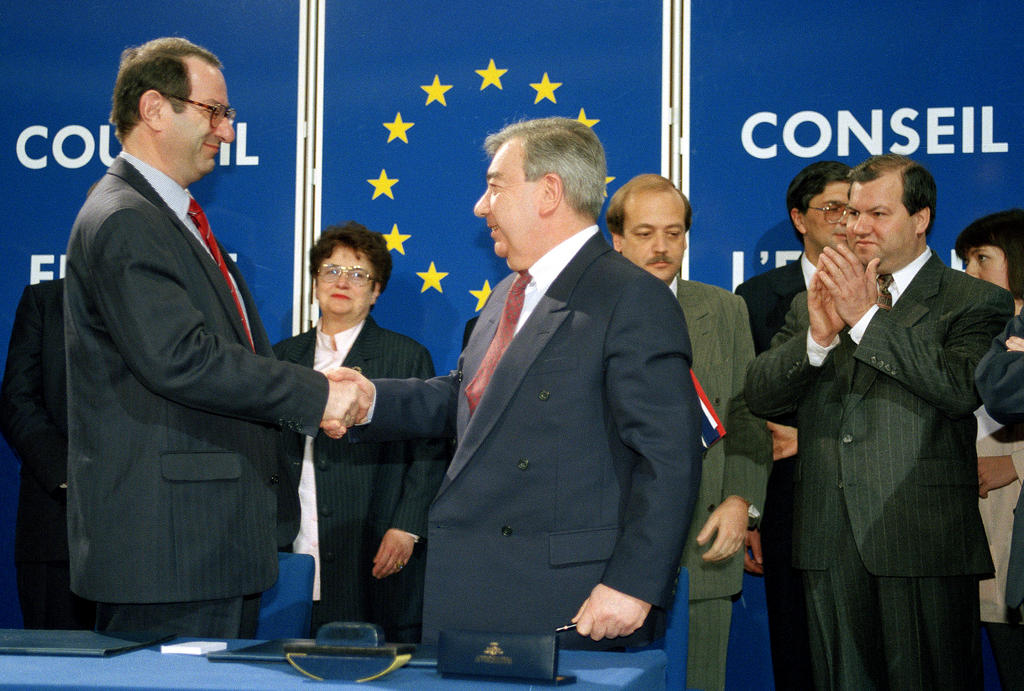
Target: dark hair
615,217
812,181
160,65
1005,230
918,184
357,238
565,147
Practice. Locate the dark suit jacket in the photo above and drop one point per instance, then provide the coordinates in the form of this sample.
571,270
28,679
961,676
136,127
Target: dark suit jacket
362,490
33,412
768,297
888,427
171,417
739,464
580,464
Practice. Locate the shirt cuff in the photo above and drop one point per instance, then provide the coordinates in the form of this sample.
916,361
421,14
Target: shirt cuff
858,329
816,354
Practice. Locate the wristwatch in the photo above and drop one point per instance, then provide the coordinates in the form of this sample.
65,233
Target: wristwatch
753,517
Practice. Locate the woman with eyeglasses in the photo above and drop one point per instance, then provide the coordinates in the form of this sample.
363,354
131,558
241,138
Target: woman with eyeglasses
993,249
359,509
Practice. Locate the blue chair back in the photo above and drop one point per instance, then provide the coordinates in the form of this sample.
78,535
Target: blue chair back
286,608
676,640
677,634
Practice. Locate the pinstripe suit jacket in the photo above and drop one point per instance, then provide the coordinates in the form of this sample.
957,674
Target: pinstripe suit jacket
888,427
739,464
172,419
362,490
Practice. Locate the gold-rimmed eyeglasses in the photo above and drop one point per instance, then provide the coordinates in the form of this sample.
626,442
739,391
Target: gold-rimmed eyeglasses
356,275
217,111
833,212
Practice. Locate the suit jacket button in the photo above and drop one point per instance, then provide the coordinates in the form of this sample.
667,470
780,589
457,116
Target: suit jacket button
274,479
711,507
321,465
324,511
523,464
847,438
506,530
544,395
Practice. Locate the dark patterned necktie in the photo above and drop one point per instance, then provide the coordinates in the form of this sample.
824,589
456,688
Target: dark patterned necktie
502,337
199,218
884,296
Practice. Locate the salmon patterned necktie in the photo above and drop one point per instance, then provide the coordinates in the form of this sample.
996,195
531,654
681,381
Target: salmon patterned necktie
502,337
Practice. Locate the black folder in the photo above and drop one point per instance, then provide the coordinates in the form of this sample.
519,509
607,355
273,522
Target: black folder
77,643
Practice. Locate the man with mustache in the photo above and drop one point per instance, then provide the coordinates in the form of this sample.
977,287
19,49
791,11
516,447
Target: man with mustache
648,219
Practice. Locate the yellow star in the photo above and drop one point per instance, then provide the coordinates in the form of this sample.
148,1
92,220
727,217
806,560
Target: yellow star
481,295
431,278
607,180
492,75
545,89
397,128
382,185
435,91
395,240
582,117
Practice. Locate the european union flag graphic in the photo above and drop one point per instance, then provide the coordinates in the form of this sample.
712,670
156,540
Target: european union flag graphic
410,97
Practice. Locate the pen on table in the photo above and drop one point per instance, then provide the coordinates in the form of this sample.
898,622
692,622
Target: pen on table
567,627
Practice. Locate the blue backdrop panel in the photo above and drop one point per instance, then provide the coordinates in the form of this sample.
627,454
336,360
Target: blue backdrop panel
607,58
58,63
842,81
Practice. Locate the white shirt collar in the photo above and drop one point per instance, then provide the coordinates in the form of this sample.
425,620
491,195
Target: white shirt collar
807,268
174,195
332,349
546,269
901,278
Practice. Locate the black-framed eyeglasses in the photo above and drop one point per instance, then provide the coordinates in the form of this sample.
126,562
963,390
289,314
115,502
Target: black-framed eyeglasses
218,111
356,275
833,212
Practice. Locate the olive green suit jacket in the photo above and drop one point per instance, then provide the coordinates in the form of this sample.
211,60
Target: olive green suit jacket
738,464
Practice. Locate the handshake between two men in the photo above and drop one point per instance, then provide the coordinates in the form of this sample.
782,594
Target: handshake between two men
349,400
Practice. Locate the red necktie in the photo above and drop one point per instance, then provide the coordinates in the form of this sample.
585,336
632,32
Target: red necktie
502,337
199,218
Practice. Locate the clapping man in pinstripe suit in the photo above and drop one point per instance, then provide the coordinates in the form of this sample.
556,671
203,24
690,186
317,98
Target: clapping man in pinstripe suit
880,374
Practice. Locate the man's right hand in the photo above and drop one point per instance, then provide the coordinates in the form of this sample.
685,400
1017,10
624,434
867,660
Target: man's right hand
784,440
349,399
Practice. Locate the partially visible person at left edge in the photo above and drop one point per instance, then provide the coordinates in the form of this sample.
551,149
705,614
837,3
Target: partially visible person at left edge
174,394
363,507
34,418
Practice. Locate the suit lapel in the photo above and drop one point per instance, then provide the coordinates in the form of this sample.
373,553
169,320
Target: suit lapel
911,308
551,311
127,172
366,347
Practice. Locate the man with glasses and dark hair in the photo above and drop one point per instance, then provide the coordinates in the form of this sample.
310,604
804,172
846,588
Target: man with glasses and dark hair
877,360
174,396
815,199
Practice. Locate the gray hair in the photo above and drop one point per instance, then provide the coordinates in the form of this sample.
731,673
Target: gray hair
565,147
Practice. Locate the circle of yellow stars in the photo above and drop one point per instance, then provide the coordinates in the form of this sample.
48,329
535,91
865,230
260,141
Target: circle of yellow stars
398,129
